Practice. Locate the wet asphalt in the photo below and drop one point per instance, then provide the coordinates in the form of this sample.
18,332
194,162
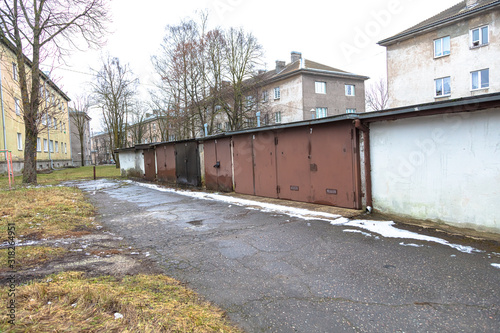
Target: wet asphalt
275,273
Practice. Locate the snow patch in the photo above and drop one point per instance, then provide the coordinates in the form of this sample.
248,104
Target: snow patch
496,265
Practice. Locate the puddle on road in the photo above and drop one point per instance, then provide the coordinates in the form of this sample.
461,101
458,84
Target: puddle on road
197,223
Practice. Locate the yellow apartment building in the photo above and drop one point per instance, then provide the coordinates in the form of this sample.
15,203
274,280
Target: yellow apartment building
53,141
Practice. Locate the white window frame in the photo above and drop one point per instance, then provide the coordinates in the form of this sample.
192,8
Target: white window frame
350,110
350,92
62,145
320,87
38,144
277,93
277,117
14,71
321,112
17,106
479,79
479,42
442,80
440,42
57,146
51,146
45,145
19,141
65,148
265,96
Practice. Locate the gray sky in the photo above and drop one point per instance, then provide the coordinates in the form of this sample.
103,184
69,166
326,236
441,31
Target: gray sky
340,34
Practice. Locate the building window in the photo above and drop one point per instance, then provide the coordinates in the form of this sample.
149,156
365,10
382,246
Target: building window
227,126
57,146
277,93
480,79
55,123
44,119
62,146
277,117
51,146
18,106
441,47
19,141
38,144
45,145
321,113
265,96
14,71
320,87
349,90
350,110
65,150
249,100
443,87
479,36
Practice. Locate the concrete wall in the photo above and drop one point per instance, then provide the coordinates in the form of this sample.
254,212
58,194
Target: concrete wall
441,168
412,68
132,163
335,98
290,102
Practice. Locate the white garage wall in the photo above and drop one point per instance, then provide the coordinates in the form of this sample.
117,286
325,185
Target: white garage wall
442,168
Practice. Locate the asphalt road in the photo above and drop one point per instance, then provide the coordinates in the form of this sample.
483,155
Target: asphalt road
275,273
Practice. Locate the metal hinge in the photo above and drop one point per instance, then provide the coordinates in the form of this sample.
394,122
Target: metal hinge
278,189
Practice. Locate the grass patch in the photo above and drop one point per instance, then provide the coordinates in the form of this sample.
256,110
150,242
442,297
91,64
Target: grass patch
45,212
71,302
28,256
55,177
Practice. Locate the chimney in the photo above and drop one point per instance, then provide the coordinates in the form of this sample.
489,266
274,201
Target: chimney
280,65
296,56
261,71
470,3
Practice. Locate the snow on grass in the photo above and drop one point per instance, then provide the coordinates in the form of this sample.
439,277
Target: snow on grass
383,228
496,265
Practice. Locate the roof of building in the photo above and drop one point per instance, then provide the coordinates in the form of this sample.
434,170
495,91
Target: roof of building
44,77
306,66
450,15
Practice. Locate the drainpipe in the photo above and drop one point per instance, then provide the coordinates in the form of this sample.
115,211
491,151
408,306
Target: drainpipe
206,129
3,116
368,175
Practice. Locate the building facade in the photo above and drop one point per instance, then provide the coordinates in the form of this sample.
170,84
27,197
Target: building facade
454,54
80,133
53,141
301,90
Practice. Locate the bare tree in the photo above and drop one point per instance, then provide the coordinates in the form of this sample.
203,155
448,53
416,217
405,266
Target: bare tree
114,89
243,53
377,96
80,119
41,29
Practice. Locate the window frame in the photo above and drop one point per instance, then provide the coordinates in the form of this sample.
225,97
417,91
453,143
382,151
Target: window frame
320,87
350,110
17,106
56,145
441,40
353,89
277,93
51,146
38,144
14,72
277,117
45,145
19,141
480,33
442,85
321,112
479,79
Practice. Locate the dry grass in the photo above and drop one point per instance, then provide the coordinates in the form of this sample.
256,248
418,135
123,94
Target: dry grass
29,256
55,177
72,303
45,212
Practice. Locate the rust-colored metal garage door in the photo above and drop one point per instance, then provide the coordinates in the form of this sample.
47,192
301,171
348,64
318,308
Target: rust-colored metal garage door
243,164
335,165
149,164
165,163
218,165
264,150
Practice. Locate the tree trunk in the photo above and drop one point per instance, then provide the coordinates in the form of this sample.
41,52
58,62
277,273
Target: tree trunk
29,173
81,149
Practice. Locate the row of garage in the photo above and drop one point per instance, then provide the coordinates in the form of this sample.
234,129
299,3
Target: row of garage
316,162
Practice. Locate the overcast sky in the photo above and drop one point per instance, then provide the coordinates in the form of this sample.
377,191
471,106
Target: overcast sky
340,34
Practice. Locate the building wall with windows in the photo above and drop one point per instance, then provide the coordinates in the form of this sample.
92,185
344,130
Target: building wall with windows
454,59
76,153
53,141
